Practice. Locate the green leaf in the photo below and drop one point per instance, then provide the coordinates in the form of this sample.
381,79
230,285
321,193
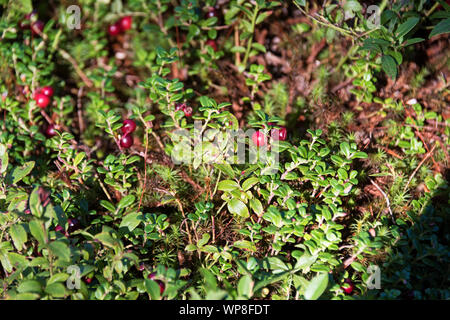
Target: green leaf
440,28
56,290
18,173
3,158
225,168
18,235
153,289
32,286
58,277
316,286
250,182
228,185
60,249
37,230
256,206
79,158
131,221
389,66
126,201
407,26
107,205
236,206
245,286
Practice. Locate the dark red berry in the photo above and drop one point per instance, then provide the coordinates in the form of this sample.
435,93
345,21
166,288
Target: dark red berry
279,134
48,91
188,111
30,15
348,287
126,23
259,139
41,100
50,131
24,25
88,280
59,228
180,106
141,267
126,141
74,224
211,13
114,29
212,44
37,27
128,126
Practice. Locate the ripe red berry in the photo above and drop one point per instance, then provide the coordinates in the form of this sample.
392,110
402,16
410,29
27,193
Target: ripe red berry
74,224
88,280
180,106
259,139
141,267
50,131
48,91
212,44
41,100
348,288
59,228
37,27
187,111
126,23
128,126
114,29
126,141
279,134
211,13
31,15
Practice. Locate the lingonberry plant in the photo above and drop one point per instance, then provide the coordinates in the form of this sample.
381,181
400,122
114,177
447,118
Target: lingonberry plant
224,150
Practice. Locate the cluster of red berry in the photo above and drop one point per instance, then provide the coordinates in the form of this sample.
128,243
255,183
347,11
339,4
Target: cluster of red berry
185,108
36,26
127,139
43,96
210,14
122,25
259,139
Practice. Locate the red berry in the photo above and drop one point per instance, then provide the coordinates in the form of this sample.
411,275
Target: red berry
41,100
88,280
50,131
128,126
180,106
348,289
74,224
259,139
212,44
211,13
141,267
279,134
187,111
59,228
126,23
48,91
114,29
126,141
31,15
37,27
24,25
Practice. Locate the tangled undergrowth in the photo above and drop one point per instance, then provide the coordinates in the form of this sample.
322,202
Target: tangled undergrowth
119,177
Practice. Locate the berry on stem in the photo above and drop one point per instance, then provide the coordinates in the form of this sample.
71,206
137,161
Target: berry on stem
50,131
348,289
114,29
126,141
128,126
212,43
152,276
259,139
211,13
37,27
74,224
280,134
48,91
187,111
126,23
41,99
